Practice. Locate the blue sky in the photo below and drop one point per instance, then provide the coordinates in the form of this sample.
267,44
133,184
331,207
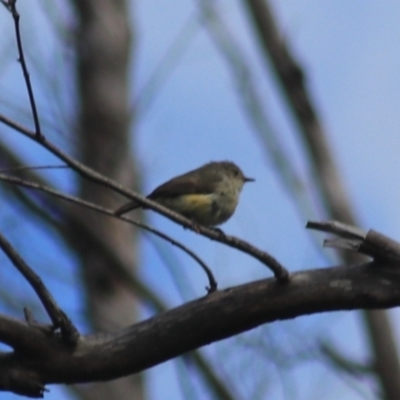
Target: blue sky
349,53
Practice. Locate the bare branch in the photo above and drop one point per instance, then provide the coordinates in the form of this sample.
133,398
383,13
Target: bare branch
371,243
21,182
211,318
33,168
292,77
333,192
57,316
34,384
12,7
344,363
279,271
338,228
123,271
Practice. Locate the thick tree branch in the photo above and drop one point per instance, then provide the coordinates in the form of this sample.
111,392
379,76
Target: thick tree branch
113,259
265,257
195,324
41,359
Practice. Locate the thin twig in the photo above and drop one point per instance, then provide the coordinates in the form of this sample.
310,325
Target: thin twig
32,185
344,363
33,168
12,7
339,228
5,4
371,243
57,316
279,271
108,251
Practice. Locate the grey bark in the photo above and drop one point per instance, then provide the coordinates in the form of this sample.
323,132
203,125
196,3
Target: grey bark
103,44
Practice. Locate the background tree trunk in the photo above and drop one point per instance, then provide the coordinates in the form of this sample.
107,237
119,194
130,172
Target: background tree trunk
103,46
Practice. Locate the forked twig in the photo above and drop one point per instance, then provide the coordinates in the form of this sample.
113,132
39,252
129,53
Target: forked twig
279,271
11,5
57,316
32,185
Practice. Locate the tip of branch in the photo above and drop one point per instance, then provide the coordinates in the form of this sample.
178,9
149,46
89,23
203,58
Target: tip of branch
338,228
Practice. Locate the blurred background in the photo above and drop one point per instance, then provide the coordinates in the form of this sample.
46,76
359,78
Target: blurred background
300,94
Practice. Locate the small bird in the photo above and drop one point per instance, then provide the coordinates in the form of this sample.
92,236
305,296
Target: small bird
207,195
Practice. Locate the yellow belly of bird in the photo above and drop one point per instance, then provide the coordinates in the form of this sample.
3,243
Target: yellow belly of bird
204,209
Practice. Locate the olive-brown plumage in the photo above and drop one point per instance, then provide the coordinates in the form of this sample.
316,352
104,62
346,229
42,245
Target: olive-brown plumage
207,195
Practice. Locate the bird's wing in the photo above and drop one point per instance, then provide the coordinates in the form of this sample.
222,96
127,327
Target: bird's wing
181,185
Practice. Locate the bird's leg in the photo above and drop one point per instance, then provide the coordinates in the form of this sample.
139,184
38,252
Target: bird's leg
220,232
194,226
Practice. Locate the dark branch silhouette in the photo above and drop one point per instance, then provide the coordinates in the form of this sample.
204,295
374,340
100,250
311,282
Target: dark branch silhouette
239,244
72,199
44,359
57,316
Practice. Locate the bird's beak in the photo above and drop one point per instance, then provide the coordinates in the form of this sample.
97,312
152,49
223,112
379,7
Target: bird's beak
246,179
